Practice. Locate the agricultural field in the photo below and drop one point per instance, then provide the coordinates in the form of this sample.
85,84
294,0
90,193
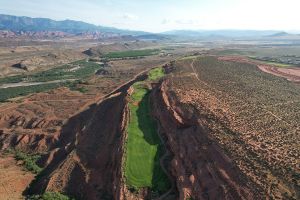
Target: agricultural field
66,75
253,115
8,93
144,147
75,70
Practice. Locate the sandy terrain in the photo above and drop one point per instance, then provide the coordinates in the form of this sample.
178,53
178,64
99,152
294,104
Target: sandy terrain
14,179
38,55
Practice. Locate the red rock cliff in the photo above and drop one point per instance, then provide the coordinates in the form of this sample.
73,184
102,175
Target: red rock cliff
201,168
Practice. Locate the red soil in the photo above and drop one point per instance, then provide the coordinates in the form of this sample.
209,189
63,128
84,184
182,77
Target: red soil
13,179
35,124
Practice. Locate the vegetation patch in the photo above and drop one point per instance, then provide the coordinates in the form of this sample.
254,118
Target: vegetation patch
144,147
132,53
77,86
29,161
49,196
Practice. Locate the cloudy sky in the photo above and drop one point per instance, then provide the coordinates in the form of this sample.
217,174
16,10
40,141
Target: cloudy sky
162,15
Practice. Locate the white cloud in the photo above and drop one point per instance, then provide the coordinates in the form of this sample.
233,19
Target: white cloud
181,21
130,16
187,22
166,21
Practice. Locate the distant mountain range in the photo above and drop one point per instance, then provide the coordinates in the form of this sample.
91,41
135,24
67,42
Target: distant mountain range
14,26
17,24
227,33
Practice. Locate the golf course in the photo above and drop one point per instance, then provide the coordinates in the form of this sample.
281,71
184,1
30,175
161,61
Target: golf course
144,147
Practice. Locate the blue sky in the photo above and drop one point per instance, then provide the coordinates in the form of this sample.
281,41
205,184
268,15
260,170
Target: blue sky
162,15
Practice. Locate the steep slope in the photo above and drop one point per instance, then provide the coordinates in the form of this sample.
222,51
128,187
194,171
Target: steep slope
232,130
89,165
201,168
86,162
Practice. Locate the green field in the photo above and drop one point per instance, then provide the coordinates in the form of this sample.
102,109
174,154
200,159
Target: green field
132,53
8,93
144,147
78,70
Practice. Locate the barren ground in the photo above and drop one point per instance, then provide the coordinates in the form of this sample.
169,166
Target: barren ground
14,179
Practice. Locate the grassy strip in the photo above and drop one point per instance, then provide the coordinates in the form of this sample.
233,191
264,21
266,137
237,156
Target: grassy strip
133,53
49,196
144,147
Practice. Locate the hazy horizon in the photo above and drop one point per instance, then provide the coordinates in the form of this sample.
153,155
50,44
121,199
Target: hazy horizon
160,16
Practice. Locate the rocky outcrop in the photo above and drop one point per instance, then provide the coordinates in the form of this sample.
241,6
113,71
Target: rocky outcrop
88,165
28,142
20,65
103,72
201,168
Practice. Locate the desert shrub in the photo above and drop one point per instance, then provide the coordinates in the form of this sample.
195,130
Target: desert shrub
29,161
49,196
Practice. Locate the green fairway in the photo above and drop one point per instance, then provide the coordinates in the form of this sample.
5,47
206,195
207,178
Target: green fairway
144,147
156,73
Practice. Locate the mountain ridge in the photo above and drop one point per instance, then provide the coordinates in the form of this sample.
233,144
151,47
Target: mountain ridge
45,26
26,24
223,33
